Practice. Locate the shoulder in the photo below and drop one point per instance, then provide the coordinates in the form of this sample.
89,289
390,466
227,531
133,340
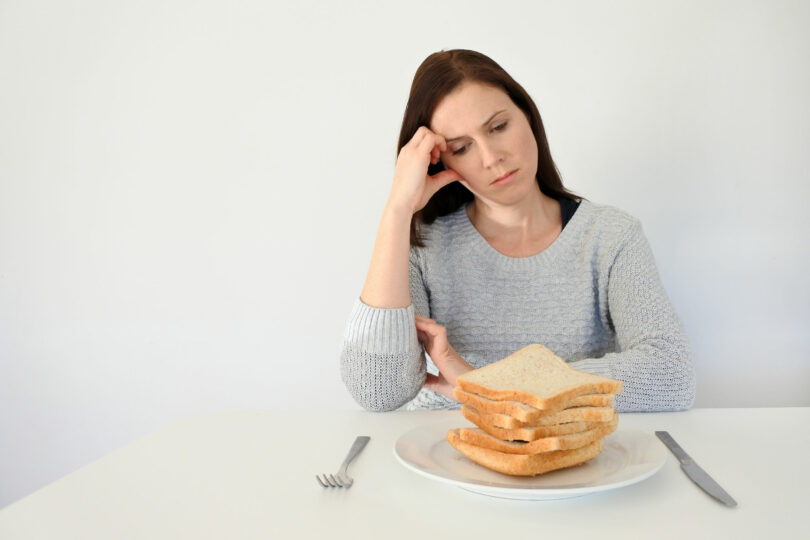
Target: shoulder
446,238
453,221
607,223
449,229
606,214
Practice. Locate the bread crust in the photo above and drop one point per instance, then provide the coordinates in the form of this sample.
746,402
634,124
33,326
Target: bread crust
576,414
528,434
536,376
479,437
524,464
526,413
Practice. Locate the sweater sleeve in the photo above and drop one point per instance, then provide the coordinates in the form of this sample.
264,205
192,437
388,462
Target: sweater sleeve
382,362
654,358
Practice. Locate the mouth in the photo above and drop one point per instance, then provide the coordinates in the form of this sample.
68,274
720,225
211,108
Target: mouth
505,178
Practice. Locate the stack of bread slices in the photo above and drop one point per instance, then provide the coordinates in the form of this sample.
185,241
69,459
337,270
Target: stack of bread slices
534,413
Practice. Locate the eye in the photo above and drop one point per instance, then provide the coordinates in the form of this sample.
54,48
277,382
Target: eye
460,150
500,127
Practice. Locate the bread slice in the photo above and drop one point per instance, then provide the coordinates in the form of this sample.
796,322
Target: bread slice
524,464
577,414
536,376
529,434
479,437
527,413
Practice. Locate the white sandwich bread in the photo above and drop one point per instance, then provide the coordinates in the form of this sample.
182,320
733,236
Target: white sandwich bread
534,413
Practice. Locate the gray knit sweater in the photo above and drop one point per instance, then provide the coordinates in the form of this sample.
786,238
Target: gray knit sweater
593,297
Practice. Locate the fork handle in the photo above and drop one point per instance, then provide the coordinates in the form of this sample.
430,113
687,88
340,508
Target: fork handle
357,447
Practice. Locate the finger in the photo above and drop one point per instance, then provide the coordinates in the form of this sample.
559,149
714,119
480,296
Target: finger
447,176
423,338
435,155
429,326
421,133
430,140
434,382
426,337
440,386
427,323
417,138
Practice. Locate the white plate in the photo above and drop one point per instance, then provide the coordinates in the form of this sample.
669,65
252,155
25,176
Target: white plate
628,457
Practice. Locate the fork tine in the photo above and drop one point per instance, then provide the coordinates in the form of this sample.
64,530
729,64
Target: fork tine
321,482
337,483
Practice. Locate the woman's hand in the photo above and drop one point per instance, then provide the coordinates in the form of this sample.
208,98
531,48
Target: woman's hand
412,187
451,366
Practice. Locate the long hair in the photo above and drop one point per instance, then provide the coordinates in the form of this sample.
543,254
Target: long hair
439,75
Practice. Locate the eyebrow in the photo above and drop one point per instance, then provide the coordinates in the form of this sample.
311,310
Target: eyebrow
482,125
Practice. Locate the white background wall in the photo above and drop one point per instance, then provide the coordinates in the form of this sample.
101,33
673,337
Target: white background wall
189,192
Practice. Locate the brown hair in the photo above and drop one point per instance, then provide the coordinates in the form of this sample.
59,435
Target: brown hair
439,75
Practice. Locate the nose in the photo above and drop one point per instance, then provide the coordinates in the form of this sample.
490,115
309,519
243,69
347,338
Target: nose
491,155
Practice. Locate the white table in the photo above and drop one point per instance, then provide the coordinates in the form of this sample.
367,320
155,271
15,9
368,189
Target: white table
252,475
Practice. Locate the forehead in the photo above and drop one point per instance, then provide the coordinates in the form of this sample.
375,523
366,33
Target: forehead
462,111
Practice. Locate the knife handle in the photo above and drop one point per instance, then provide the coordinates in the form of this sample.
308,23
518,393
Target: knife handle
670,443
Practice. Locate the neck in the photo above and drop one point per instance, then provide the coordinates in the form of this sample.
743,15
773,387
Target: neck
533,216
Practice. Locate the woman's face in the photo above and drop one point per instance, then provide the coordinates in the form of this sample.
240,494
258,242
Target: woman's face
488,137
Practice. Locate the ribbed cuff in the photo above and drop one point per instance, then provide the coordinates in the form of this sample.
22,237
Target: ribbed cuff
381,330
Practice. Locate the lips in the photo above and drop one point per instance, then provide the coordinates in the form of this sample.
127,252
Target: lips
505,178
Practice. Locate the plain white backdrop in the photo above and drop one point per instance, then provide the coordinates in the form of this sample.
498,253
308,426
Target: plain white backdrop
190,191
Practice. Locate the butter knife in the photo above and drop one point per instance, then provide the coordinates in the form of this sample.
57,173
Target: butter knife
694,472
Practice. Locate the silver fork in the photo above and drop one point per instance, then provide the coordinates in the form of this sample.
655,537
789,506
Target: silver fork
341,479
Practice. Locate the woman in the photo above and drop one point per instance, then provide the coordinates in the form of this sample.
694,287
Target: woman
482,251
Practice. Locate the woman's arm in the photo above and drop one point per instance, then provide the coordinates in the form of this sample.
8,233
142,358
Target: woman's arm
387,280
654,358
382,363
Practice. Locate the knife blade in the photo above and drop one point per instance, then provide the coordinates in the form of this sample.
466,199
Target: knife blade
694,472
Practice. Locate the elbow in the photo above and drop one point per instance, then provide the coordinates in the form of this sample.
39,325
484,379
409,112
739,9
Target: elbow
687,397
680,397
373,397
678,383
377,383
377,405
666,384
684,382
